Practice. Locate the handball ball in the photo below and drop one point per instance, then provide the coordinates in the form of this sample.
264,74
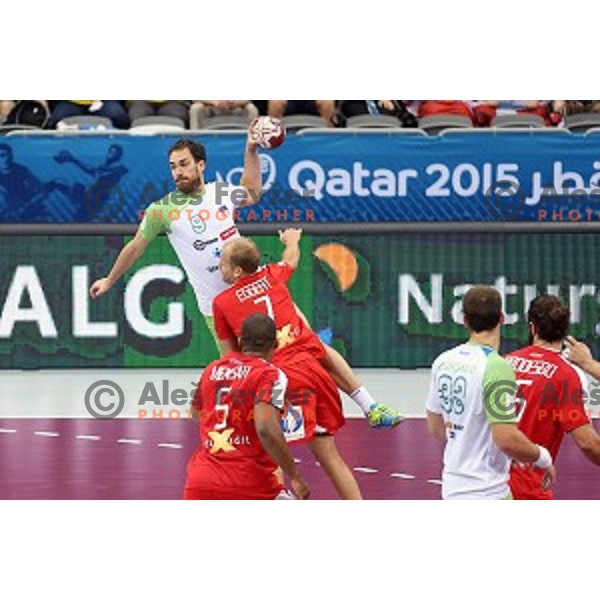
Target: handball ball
267,132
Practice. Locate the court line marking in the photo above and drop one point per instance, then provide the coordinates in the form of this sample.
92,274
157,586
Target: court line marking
180,446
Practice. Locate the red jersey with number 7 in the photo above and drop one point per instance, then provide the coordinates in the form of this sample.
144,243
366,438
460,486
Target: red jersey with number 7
266,292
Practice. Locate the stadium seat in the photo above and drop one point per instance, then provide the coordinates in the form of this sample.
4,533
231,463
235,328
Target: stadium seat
157,124
84,122
433,124
6,129
374,121
296,122
518,120
581,122
225,122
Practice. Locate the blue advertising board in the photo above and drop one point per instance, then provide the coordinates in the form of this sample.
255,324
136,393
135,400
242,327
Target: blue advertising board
345,177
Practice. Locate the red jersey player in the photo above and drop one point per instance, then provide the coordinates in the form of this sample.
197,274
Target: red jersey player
239,399
553,392
264,290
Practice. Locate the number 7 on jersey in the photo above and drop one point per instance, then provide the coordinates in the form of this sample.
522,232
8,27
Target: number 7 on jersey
267,301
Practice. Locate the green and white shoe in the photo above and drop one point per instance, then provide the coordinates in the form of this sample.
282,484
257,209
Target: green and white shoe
381,416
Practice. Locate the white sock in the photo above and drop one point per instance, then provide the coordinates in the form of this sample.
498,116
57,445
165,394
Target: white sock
362,397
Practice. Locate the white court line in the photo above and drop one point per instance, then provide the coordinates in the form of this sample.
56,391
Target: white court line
8,431
128,441
174,446
365,470
403,476
47,433
93,438
434,481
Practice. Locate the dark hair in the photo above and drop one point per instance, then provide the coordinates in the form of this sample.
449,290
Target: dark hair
482,306
197,150
550,317
258,334
245,254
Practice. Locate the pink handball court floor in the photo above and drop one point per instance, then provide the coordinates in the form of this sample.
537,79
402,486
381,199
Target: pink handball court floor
146,459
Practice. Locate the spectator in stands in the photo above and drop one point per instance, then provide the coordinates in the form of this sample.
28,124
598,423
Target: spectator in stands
462,108
203,109
159,108
324,108
31,113
5,107
394,108
573,107
111,109
550,111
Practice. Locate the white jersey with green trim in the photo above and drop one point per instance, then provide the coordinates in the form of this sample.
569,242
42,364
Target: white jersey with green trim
473,387
197,228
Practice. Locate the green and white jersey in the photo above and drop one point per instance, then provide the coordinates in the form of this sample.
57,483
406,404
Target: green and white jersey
472,387
197,228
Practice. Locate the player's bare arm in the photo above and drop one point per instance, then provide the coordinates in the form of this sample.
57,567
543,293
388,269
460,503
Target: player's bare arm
290,238
251,177
588,440
581,355
266,418
435,426
515,444
126,259
228,345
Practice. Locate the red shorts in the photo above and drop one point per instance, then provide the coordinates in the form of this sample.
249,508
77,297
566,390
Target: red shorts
526,483
312,391
209,480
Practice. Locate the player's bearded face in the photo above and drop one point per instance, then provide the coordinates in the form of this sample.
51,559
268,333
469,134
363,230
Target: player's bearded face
186,173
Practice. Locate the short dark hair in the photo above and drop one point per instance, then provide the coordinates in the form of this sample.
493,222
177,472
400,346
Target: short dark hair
482,307
258,334
197,150
550,317
245,254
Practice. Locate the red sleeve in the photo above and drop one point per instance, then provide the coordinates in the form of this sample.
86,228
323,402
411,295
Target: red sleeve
574,414
280,271
222,327
271,387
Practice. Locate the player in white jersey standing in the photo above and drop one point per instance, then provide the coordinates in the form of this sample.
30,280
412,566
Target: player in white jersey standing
198,219
471,407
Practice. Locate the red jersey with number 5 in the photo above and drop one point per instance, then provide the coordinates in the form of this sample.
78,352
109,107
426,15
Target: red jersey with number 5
553,392
266,292
230,461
